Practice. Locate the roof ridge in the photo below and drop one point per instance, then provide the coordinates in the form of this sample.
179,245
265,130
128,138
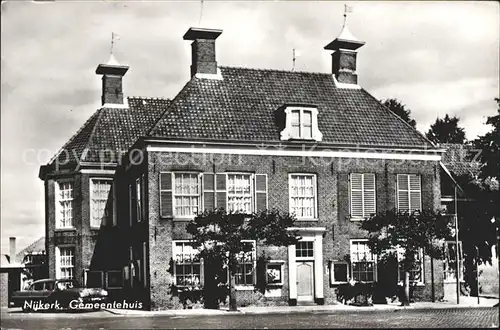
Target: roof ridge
172,102
31,246
149,98
96,113
91,135
399,118
275,70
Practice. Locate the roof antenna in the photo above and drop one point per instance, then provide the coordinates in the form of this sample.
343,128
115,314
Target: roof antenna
114,37
293,60
201,12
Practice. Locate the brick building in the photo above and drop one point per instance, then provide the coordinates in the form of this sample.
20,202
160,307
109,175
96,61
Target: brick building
313,144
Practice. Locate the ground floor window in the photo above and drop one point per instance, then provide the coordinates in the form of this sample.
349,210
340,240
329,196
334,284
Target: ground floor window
450,264
416,272
66,262
245,269
187,264
363,262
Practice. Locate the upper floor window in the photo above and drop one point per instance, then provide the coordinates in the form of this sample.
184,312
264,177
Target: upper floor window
64,205
409,192
303,195
239,193
301,122
100,189
362,195
186,194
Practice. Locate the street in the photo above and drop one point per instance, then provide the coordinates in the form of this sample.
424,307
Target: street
435,318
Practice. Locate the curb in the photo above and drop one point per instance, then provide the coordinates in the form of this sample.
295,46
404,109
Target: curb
343,310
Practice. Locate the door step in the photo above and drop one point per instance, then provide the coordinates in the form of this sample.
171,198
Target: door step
306,303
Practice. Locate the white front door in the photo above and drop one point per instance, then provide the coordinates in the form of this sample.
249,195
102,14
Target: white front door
305,280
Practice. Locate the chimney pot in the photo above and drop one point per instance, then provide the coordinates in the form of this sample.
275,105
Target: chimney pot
12,249
112,87
203,50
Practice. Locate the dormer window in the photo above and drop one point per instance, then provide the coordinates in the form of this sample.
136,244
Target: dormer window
301,123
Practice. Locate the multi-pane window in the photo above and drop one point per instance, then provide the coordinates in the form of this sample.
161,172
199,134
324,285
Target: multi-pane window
301,124
186,194
64,205
362,195
362,262
450,261
417,270
66,262
187,264
304,249
100,192
303,195
138,199
245,269
409,192
239,193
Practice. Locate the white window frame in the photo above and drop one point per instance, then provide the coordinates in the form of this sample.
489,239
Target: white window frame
334,263
420,282
314,217
287,133
243,287
58,206
305,240
280,264
104,215
174,195
174,258
251,194
59,261
364,240
363,190
409,191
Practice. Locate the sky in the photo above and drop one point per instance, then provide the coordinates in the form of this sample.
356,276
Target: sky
436,57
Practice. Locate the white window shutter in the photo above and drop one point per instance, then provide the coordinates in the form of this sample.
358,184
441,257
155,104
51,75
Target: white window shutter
369,194
402,195
415,192
356,181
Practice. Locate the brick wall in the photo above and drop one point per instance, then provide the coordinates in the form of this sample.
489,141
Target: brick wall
333,206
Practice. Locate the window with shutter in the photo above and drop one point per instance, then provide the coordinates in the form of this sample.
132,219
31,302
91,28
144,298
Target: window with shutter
409,192
186,192
260,192
362,195
302,194
208,191
138,198
239,193
166,204
220,191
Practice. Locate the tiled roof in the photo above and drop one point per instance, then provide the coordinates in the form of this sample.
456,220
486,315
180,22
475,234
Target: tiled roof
459,159
243,106
112,131
36,246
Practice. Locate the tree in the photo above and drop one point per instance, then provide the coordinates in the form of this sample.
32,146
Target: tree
476,230
400,109
390,231
490,148
446,130
220,235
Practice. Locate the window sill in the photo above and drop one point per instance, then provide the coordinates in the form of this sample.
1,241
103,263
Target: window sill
356,219
307,219
274,285
338,283
244,287
65,229
95,228
413,284
182,218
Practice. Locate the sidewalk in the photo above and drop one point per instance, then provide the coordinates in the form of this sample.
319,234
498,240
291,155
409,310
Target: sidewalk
465,302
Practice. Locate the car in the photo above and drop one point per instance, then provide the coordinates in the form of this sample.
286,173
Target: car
53,294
